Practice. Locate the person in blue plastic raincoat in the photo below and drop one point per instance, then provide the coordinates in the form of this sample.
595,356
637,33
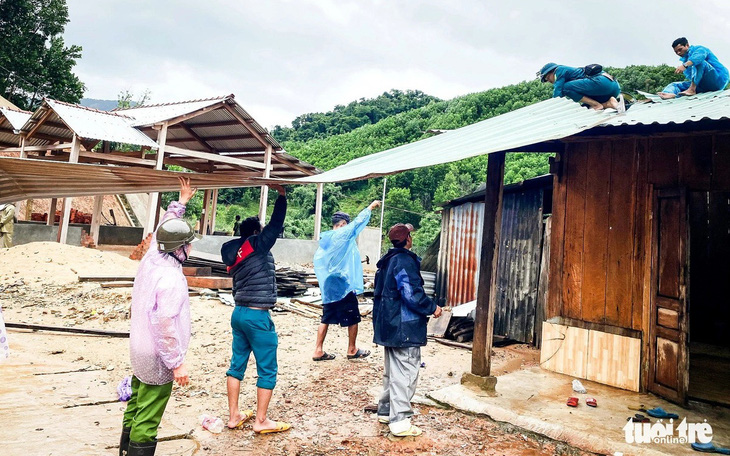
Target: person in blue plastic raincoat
703,70
338,268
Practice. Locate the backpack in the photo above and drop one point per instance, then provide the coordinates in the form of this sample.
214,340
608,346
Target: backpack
594,69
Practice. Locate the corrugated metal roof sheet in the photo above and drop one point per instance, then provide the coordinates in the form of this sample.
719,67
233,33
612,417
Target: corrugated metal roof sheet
17,118
551,119
23,178
152,114
92,124
548,120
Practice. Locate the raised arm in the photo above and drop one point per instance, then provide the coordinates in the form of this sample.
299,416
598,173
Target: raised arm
271,231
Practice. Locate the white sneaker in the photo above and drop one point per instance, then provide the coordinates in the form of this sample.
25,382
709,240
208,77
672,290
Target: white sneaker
383,419
404,428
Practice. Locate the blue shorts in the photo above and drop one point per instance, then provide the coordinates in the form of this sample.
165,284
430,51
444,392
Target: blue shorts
254,331
344,312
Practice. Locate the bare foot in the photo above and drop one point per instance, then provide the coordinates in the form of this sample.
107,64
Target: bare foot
239,418
666,96
611,103
688,93
259,426
597,107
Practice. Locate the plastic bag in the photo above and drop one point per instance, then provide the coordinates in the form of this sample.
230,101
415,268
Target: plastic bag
124,389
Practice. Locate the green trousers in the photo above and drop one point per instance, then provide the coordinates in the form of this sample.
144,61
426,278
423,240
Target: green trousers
145,409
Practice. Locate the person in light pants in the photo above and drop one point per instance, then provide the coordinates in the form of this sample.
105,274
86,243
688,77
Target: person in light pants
400,315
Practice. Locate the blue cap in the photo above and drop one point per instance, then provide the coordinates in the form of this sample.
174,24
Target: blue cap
545,70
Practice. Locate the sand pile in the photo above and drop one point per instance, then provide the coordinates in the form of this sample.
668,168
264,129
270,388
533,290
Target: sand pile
54,263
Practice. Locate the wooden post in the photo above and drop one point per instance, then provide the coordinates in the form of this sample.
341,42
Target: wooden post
153,201
487,290
213,209
96,218
66,216
206,213
382,218
52,212
23,153
264,200
318,212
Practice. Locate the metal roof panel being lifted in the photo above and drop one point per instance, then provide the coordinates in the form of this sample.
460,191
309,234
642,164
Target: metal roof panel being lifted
549,120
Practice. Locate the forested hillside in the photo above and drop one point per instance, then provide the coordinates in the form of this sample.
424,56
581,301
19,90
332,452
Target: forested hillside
396,118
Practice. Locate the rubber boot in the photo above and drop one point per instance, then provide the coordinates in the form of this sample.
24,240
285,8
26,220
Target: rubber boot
142,449
124,441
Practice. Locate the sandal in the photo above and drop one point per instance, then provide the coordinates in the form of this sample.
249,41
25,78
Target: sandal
572,402
591,402
325,357
359,354
659,412
281,426
638,418
245,416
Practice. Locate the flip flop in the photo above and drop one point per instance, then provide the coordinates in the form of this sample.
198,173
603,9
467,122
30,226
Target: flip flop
572,402
281,426
710,448
591,402
413,431
659,412
324,357
245,416
638,418
359,354
383,419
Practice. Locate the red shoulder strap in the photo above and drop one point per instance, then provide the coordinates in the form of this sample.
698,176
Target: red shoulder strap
245,250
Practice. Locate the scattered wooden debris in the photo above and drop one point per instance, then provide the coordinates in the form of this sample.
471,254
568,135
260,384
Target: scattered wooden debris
119,284
298,308
87,332
106,278
197,270
210,282
451,343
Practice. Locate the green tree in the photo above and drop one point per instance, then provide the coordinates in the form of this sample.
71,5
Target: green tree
34,60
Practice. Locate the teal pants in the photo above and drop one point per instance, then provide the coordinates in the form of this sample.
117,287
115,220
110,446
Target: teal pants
145,409
254,331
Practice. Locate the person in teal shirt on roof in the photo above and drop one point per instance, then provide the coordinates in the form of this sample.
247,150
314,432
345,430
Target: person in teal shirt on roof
599,91
702,68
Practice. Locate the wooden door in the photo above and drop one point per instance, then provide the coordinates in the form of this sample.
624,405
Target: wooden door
668,351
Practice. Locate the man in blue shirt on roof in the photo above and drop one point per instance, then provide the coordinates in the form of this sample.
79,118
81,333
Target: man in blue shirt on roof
703,70
598,91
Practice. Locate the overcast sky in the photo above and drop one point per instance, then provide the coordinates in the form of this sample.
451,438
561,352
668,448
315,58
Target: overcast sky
285,58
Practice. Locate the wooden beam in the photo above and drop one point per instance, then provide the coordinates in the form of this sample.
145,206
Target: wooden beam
52,212
184,117
318,212
23,152
65,218
290,164
195,136
40,148
96,218
213,209
247,124
153,200
120,159
206,213
487,290
91,332
264,199
43,118
211,138
215,157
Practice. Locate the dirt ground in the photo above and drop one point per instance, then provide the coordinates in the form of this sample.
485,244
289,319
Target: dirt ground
324,401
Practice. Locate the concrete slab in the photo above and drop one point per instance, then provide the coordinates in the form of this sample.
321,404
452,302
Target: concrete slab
534,399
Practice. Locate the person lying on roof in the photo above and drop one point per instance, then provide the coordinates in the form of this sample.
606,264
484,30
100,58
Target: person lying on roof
598,91
703,70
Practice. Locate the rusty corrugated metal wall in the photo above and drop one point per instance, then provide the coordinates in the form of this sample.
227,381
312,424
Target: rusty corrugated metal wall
518,264
464,249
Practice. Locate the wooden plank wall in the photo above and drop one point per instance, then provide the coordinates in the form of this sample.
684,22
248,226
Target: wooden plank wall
601,219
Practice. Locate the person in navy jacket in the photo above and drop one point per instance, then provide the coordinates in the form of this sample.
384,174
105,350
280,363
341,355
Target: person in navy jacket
400,315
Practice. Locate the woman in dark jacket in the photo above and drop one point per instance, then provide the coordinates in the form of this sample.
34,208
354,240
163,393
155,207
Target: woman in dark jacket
251,264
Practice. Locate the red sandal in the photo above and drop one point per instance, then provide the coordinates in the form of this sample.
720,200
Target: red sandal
572,402
591,402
